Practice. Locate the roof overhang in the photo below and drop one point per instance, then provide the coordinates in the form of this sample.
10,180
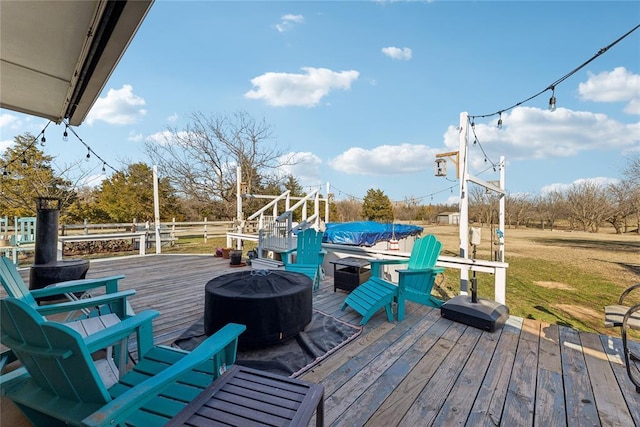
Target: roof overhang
56,56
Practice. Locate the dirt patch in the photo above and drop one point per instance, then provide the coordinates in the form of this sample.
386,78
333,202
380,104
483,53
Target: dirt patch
578,312
554,285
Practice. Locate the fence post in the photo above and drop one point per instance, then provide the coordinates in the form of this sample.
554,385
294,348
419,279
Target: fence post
86,227
205,229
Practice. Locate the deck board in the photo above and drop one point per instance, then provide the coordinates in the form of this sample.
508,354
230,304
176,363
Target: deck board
425,370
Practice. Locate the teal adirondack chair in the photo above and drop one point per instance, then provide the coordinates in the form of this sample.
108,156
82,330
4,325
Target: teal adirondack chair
112,301
309,255
59,382
414,283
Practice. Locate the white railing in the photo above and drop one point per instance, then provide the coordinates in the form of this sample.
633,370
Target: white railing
498,269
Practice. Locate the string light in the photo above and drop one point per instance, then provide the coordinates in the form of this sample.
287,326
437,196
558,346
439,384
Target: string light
43,139
89,150
24,161
65,135
552,100
553,85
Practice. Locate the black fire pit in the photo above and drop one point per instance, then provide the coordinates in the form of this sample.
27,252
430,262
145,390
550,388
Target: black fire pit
46,268
274,305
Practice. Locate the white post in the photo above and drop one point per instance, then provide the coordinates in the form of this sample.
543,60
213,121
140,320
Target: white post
464,200
502,208
156,210
326,205
239,214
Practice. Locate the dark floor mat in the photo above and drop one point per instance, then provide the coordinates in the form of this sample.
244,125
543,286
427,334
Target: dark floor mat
321,337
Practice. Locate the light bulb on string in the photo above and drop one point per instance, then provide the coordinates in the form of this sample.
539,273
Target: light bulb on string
88,158
43,139
500,120
104,168
24,162
552,100
65,135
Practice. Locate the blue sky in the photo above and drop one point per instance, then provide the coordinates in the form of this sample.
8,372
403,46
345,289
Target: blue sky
366,93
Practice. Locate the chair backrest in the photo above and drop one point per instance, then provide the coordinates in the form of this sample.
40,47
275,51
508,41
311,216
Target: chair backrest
24,231
13,283
308,246
425,253
54,355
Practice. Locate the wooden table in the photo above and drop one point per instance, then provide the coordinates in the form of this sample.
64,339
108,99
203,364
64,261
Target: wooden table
352,272
248,397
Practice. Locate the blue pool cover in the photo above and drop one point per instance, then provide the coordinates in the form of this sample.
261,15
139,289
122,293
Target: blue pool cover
367,233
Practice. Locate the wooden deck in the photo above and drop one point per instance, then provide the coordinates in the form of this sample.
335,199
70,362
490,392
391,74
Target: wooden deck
425,370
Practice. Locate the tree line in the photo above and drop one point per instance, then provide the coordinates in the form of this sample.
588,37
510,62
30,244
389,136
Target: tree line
197,178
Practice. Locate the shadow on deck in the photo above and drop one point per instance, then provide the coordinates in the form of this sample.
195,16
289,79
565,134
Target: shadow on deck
426,370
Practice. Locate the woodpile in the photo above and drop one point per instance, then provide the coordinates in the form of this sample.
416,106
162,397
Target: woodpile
97,246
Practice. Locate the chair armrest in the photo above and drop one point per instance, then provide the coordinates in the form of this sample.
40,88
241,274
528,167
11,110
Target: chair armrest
122,407
109,283
284,255
436,270
627,292
389,261
114,333
117,298
377,264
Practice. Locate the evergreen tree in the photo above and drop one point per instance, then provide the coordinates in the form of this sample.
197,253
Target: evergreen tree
377,206
128,195
26,175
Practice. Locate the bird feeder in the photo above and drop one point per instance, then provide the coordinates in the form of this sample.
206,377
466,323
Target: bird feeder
441,167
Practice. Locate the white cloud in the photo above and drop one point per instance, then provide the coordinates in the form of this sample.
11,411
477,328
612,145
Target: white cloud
166,137
385,160
173,118
303,90
618,85
288,21
534,133
135,136
93,180
306,168
403,53
6,120
119,107
600,181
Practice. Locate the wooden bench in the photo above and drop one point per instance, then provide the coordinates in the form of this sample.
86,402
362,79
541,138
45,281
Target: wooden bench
245,396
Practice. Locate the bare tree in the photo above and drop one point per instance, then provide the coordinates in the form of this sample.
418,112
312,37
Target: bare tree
348,210
200,161
589,204
517,206
550,207
621,204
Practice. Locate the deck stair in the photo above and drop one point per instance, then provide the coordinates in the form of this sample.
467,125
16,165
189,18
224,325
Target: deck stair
277,231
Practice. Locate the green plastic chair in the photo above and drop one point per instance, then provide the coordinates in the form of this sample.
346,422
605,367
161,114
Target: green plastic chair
309,256
59,383
111,302
414,283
